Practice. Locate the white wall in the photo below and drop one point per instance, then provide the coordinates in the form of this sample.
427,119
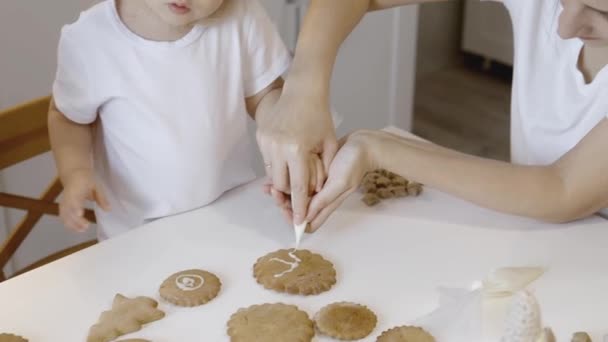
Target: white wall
29,32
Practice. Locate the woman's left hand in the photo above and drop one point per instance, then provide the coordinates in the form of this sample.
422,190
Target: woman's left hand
352,162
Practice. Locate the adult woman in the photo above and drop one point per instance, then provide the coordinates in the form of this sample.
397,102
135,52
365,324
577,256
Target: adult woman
559,169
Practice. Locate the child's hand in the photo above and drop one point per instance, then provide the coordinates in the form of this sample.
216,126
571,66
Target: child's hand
317,180
79,188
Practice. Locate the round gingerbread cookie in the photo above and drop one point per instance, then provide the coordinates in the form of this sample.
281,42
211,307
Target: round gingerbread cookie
295,272
405,334
270,322
11,338
190,288
346,321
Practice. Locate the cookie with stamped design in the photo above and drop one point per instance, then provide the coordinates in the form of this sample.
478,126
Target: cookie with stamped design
190,288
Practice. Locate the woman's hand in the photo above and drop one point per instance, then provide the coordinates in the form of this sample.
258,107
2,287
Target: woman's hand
292,138
352,162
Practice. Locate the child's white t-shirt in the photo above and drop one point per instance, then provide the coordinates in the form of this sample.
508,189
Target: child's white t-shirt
171,133
552,108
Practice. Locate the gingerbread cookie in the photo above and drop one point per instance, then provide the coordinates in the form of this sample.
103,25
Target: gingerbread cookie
295,272
126,316
581,336
134,340
346,321
190,288
270,322
405,334
11,338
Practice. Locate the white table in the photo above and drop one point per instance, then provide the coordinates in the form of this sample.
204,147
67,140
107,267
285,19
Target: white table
434,240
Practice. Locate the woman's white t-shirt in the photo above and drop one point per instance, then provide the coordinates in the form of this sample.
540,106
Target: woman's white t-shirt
171,119
552,107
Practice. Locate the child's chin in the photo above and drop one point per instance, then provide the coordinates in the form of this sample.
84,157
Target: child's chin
177,21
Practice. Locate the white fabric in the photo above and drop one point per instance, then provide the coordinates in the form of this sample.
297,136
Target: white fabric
172,130
552,107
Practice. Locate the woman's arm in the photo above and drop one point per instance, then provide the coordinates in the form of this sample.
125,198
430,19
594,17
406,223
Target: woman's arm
573,187
325,27
302,122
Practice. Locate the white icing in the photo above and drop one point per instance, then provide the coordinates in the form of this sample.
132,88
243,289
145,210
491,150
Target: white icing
292,264
189,282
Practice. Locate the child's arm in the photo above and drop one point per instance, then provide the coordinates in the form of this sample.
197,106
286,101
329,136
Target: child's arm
72,148
263,102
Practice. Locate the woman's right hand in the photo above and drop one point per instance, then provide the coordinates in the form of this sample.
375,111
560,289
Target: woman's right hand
79,187
353,161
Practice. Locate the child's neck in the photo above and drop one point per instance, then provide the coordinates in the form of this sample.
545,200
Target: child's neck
140,19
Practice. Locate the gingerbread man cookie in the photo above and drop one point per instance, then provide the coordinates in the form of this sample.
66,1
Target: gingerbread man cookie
126,316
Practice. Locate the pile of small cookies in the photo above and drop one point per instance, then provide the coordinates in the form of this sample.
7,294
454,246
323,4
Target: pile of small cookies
382,184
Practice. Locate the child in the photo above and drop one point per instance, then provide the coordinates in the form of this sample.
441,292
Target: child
149,105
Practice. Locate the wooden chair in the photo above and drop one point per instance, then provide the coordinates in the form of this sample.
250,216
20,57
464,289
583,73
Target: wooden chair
24,135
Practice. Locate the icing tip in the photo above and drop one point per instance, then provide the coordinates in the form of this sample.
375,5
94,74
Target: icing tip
299,231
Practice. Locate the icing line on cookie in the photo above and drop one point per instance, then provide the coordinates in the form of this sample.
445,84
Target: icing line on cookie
188,282
292,265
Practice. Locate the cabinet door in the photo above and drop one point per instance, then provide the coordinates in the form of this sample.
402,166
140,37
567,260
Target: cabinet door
488,31
373,81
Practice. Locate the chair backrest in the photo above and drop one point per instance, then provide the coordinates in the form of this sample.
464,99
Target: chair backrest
24,132
24,135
